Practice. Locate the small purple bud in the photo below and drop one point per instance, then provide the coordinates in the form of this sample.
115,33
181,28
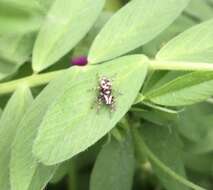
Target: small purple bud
80,61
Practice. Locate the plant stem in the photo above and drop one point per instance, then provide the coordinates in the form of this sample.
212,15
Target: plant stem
180,66
42,79
30,81
72,177
143,149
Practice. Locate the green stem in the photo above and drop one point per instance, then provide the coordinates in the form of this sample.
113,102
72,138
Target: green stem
142,148
42,79
31,81
180,66
72,177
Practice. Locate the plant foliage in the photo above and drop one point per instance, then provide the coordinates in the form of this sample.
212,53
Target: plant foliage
57,126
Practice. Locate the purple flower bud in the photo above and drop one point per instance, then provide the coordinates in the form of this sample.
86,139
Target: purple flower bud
80,61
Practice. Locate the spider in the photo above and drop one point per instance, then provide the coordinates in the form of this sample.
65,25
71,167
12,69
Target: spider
105,95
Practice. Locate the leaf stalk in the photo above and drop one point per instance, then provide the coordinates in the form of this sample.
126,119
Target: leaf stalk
42,79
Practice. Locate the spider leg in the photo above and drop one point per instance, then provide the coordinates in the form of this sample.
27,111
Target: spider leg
97,105
112,107
93,89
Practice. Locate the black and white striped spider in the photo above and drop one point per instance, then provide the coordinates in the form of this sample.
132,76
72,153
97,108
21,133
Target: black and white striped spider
105,93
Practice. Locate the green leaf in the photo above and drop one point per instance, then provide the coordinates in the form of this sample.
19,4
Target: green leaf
159,78
200,163
198,128
70,125
16,48
42,176
19,16
23,165
62,30
61,172
163,148
11,117
195,45
83,46
184,90
45,5
114,167
156,114
134,25
0,112
14,51
180,24
195,123
199,9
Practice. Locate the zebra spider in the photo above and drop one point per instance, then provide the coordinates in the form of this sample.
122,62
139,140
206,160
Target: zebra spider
105,93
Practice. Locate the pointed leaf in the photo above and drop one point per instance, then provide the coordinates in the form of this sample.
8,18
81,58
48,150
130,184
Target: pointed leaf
66,24
11,117
184,90
195,45
70,125
114,167
23,164
134,25
14,51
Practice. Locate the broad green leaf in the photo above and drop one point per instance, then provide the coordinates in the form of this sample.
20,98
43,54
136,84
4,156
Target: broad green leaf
23,165
184,90
11,117
14,51
0,112
114,167
194,45
19,16
163,148
134,25
70,125
66,24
